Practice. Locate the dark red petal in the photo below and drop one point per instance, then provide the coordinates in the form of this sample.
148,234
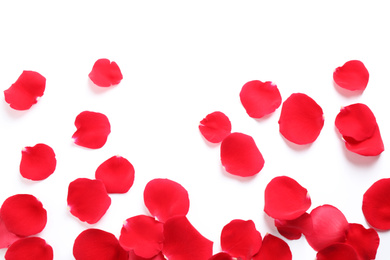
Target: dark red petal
92,129
240,239
372,146
240,155
260,98
285,199
184,242
6,237
117,174
353,75
221,256
38,162
88,199
30,248
273,248
143,235
26,91
165,199
97,244
301,119
329,227
105,73
215,127
133,256
376,204
364,241
23,215
337,251
293,229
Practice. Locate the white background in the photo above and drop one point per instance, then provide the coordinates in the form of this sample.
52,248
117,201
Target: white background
182,60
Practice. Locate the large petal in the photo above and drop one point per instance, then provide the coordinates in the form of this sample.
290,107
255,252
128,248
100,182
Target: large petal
273,248
364,241
353,75
30,248
215,127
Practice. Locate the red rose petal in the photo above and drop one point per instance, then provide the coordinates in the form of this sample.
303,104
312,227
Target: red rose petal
184,242
353,75
6,237
97,244
221,256
285,199
143,235
165,199
260,98
117,174
23,215
92,129
376,204
364,241
337,251
240,239
372,146
38,162
273,248
26,90
329,227
215,127
301,119
88,199
293,229
30,248
105,73
133,256
240,155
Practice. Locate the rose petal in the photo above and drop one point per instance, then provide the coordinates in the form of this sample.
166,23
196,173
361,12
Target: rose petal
133,256
88,199
23,215
240,239
6,237
337,251
165,199
285,199
38,162
301,119
184,242
143,235
221,256
215,127
376,204
26,91
98,245
105,73
364,241
353,75
273,248
30,248
92,129
240,155
372,146
260,98
293,229
117,174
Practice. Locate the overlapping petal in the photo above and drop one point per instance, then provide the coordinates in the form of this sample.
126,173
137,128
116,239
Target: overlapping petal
29,248
105,73
221,256
6,237
215,127
273,248
293,229
364,241
337,251
133,256
353,75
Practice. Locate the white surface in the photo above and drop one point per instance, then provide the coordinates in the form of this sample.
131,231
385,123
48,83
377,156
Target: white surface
181,61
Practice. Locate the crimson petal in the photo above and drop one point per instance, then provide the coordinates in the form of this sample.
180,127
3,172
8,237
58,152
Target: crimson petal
353,75
133,256
6,237
184,242
301,119
260,98
30,248
26,90
273,248
215,127
364,241
105,73
372,146
221,256
98,245
337,251
88,199
240,155
293,229
23,215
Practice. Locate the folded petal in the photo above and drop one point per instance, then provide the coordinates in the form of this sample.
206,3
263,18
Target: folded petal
372,146
353,75
215,127
294,228
30,248
337,251
273,248
364,241
105,73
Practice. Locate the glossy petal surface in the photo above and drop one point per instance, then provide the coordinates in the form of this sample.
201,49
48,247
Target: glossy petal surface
273,248
38,162
337,251
353,75
364,241
30,248
215,127
105,73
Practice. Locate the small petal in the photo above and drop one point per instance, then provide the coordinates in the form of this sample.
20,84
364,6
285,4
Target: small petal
273,248
337,251
353,75
364,241
215,127
105,73
221,256
293,229
30,248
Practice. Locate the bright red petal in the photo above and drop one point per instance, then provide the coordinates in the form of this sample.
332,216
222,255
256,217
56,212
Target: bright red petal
26,91
6,237
240,155
372,146
117,174
260,98
376,204
184,242
353,75
133,256
38,162
97,244
215,127
23,215
143,235
337,251
165,199
364,241
221,256
301,119
273,248
92,129
293,229
88,199
285,199
30,248
105,73
240,239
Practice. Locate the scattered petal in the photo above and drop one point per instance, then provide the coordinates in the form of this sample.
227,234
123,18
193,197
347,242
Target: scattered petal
6,237
221,256
105,73
372,146
353,75
273,248
293,229
337,251
215,127
133,256
29,248
364,241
